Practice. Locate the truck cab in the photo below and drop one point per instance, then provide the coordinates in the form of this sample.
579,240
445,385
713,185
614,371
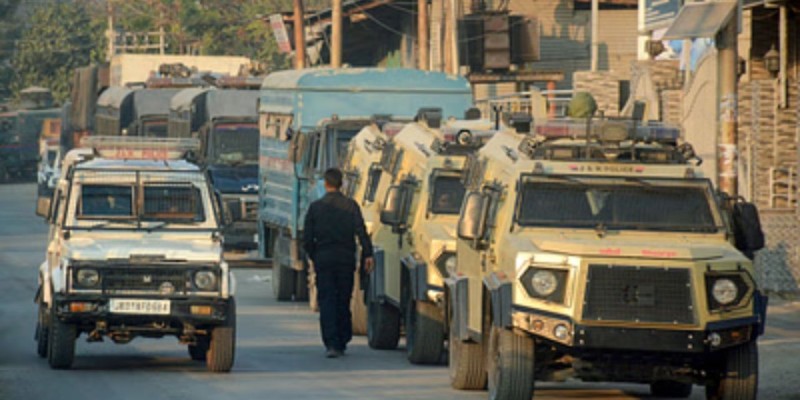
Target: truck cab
226,123
124,111
306,120
579,253
134,250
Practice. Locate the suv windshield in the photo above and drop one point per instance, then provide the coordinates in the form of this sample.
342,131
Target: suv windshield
446,195
234,144
168,202
106,201
651,204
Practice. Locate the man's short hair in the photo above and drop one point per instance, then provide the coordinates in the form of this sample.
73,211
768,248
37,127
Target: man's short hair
333,178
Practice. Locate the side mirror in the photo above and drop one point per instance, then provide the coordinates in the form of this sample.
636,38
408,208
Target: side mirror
225,212
472,224
747,231
43,207
395,207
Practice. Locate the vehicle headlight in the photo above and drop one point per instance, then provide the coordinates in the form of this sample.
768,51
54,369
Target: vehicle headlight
87,277
724,291
544,282
450,264
205,280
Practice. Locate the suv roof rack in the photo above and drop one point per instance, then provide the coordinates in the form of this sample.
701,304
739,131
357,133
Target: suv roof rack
142,148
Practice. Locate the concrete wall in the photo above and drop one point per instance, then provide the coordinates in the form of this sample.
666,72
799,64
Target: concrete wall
127,68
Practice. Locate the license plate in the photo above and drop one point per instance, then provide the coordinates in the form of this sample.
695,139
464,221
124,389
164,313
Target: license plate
136,306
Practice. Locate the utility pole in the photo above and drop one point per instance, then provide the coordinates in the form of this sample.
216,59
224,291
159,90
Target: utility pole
422,34
111,36
299,36
455,13
336,46
595,33
161,42
727,161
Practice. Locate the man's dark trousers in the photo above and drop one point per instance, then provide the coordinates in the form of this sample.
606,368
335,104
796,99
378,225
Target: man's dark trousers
334,290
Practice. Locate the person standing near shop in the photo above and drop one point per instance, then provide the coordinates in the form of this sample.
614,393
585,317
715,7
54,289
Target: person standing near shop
332,225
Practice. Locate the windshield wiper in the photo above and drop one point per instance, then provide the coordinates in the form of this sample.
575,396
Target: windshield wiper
103,224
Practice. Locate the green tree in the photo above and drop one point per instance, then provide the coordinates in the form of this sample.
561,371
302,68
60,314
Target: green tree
59,38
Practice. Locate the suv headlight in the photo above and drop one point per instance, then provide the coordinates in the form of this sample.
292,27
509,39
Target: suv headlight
87,277
545,283
205,280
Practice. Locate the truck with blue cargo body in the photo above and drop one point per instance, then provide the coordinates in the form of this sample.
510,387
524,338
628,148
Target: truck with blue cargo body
306,120
226,123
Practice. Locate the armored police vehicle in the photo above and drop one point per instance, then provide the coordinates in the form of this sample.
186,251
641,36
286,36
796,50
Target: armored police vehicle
135,251
225,122
133,112
605,257
307,119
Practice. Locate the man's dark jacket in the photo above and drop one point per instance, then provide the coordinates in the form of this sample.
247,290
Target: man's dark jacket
331,227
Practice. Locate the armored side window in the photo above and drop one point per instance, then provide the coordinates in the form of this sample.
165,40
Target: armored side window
447,192
373,180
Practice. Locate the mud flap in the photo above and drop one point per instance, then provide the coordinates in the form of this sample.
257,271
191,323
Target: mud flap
377,282
418,277
459,299
500,291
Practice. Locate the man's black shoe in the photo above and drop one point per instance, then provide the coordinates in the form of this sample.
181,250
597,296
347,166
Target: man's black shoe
331,353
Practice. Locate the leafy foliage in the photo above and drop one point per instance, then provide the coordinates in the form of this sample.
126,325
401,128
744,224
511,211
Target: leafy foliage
60,37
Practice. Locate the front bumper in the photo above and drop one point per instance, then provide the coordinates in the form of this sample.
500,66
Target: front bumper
582,338
180,310
241,235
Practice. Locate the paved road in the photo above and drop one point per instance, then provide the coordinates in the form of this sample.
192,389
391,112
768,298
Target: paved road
279,354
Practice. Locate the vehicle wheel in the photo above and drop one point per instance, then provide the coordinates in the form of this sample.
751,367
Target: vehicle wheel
383,326
61,343
283,277
424,332
302,291
358,309
466,363
198,351
222,345
738,375
510,364
42,332
671,389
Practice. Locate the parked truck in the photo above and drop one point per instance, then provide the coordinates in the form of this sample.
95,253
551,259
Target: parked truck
307,118
602,256
226,123
19,134
123,111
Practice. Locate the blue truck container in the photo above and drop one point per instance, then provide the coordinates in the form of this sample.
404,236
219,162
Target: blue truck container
306,120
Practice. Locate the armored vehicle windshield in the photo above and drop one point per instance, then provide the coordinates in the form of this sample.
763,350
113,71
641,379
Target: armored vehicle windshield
234,144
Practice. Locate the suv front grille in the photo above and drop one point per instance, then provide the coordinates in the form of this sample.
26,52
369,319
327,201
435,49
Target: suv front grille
638,294
129,280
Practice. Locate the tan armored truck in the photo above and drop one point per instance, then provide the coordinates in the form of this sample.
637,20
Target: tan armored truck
415,240
603,257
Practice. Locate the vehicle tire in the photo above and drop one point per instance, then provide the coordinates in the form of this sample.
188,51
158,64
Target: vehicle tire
466,362
222,344
283,277
357,309
199,350
424,332
510,365
738,375
42,331
671,389
61,343
302,291
383,326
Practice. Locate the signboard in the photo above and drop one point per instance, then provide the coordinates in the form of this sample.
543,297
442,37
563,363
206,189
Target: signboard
660,13
279,30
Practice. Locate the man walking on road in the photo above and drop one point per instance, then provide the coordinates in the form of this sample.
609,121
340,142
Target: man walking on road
331,227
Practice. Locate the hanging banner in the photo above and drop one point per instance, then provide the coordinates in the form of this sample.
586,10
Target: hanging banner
279,30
